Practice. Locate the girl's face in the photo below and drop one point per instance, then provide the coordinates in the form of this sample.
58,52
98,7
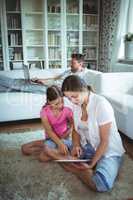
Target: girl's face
56,104
77,98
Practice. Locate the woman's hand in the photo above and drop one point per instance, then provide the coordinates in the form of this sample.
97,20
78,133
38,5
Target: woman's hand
76,151
63,148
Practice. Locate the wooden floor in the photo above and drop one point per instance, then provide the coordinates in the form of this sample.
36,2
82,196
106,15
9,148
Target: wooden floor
17,126
29,125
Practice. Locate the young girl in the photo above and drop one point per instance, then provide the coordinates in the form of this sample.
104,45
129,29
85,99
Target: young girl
57,121
100,140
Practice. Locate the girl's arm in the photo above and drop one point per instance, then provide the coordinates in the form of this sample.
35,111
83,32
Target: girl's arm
104,137
63,148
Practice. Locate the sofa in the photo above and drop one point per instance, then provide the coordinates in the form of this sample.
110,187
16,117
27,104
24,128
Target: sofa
16,105
116,87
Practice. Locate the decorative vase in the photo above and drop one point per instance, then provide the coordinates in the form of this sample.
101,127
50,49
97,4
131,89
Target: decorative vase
129,50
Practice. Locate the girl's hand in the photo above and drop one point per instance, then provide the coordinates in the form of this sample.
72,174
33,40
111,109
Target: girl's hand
63,148
76,151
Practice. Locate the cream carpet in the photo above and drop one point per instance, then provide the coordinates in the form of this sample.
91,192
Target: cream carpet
24,178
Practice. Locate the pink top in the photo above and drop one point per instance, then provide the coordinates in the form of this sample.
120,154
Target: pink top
58,123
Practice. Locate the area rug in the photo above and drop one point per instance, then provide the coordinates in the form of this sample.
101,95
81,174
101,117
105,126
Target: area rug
24,178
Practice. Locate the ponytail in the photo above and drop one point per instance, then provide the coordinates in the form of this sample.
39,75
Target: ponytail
90,88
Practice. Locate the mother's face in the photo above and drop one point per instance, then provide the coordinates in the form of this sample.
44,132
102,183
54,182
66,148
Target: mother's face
76,97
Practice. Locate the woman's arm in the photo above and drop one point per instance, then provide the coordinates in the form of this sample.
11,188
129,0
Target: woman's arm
75,140
104,137
62,147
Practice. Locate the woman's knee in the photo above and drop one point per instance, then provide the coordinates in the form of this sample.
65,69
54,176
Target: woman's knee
101,183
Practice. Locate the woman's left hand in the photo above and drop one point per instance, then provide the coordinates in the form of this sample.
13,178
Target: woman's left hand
76,151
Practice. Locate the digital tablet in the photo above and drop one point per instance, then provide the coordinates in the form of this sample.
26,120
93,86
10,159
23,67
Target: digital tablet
72,160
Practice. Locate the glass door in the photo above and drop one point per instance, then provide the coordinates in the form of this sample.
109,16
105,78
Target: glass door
14,32
72,28
33,25
90,32
1,50
54,33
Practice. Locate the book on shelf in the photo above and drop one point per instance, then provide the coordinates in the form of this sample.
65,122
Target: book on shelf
14,38
1,56
17,5
54,38
90,53
54,53
90,7
15,54
54,8
72,7
13,22
90,22
54,64
72,38
1,66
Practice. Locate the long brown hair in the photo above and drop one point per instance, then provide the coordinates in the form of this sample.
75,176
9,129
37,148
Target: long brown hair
74,83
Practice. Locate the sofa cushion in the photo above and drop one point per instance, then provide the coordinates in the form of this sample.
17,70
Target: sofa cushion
19,105
114,82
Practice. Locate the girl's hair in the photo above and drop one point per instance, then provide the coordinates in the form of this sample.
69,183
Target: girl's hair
53,92
74,83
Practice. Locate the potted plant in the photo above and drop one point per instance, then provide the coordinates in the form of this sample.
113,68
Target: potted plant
128,39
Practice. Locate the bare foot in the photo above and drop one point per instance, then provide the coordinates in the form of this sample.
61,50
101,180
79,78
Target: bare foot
55,154
43,157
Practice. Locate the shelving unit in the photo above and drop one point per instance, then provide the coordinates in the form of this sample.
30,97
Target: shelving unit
90,32
45,33
14,33
54,33
33,29
1,50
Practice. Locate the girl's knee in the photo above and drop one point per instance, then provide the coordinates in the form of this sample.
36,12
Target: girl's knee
24,150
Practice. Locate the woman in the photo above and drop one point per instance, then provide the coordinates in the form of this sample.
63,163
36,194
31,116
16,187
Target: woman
98,136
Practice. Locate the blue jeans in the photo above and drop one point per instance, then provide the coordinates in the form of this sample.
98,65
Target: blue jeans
106,169
51,144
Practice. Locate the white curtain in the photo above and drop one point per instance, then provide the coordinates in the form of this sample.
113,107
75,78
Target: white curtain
125,25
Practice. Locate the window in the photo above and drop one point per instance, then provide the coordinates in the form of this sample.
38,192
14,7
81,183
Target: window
125,24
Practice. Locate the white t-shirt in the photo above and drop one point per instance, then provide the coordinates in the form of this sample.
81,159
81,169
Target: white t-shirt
68,72
100,112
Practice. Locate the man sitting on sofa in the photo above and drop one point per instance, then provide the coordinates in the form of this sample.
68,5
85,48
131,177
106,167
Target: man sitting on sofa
77,68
